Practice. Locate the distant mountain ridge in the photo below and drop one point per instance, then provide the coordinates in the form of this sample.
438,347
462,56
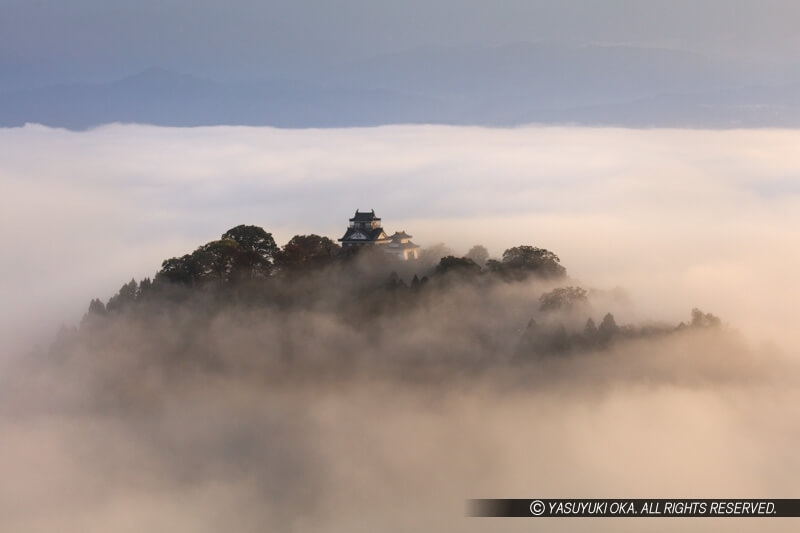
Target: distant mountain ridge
165,98
496,86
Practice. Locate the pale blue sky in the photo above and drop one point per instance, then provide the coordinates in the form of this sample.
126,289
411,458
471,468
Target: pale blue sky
103,39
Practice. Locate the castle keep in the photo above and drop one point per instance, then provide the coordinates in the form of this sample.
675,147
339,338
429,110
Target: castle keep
365,230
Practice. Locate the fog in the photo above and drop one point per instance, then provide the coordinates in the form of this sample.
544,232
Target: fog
677,218
388,424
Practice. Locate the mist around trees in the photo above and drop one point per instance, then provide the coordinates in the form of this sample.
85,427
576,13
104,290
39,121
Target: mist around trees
312,301
253,386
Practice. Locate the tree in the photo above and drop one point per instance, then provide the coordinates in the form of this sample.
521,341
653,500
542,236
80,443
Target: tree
590,329
704,320
244,252
145,288
179,270
563,298
256,252
96,307
253,239
457,265
221,261
306,252
479,254
520,261
607,330
125,296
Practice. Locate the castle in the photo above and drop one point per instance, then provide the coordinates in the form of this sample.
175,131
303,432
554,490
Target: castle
365,230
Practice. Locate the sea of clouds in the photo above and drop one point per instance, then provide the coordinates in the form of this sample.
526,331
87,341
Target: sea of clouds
678,218
671,219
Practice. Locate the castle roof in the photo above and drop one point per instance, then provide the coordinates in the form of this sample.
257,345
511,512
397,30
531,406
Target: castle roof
371,234
401,240
364,216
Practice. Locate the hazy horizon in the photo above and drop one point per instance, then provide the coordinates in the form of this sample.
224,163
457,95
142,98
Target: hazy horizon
709,64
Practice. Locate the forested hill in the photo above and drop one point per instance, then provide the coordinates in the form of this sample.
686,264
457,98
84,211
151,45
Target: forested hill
246,265
244,298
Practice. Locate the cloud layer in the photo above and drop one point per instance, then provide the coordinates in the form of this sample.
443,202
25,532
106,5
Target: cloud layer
112,441
678,218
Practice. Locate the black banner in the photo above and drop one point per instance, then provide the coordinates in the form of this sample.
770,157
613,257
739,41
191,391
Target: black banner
639,508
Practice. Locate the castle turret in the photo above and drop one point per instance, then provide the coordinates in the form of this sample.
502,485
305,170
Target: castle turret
402,247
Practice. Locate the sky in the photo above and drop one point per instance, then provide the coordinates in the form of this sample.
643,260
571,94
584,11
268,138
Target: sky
47,40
